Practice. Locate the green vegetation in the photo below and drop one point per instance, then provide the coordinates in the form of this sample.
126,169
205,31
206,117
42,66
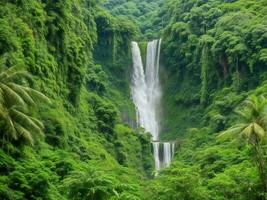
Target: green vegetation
15,102
214,80
208,46
51,50
67,121
144,13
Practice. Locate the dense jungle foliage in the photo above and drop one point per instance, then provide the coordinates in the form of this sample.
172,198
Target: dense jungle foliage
214,77
62,136
67,122
144,13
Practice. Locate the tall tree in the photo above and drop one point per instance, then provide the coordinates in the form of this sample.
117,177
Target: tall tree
253,127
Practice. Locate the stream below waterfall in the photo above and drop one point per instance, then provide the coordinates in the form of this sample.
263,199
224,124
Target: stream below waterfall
146,95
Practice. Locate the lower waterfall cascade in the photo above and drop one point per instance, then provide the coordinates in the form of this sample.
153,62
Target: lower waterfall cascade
146,95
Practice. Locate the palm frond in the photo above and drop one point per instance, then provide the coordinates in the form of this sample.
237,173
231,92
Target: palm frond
24,133
2,98
24,119
243,113
252,103
259,130
9,125
16,76
11,96
21,91
37,122
262,97
7,72
255,113
263,121
15,101
232,130
247,131
36,94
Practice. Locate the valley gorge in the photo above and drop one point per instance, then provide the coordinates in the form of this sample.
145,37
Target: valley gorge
133,100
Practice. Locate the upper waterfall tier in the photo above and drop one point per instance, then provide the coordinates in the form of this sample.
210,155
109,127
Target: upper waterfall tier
145,87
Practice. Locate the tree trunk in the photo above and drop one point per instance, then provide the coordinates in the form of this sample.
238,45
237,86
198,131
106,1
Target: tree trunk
261,168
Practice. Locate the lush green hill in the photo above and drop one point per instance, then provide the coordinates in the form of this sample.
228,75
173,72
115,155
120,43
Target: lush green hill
87,151
209,46
214,56
80,143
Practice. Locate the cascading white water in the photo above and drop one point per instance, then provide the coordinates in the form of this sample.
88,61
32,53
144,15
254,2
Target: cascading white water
156,155
168,153
146,94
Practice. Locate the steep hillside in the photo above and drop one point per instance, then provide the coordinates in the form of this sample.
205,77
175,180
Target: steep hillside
214,76
86,151
211,49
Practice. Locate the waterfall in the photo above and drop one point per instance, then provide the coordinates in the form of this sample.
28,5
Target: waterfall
146,95
168,153
156,146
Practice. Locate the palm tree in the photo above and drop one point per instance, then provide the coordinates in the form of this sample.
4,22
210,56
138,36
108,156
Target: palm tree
16,100
253,127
